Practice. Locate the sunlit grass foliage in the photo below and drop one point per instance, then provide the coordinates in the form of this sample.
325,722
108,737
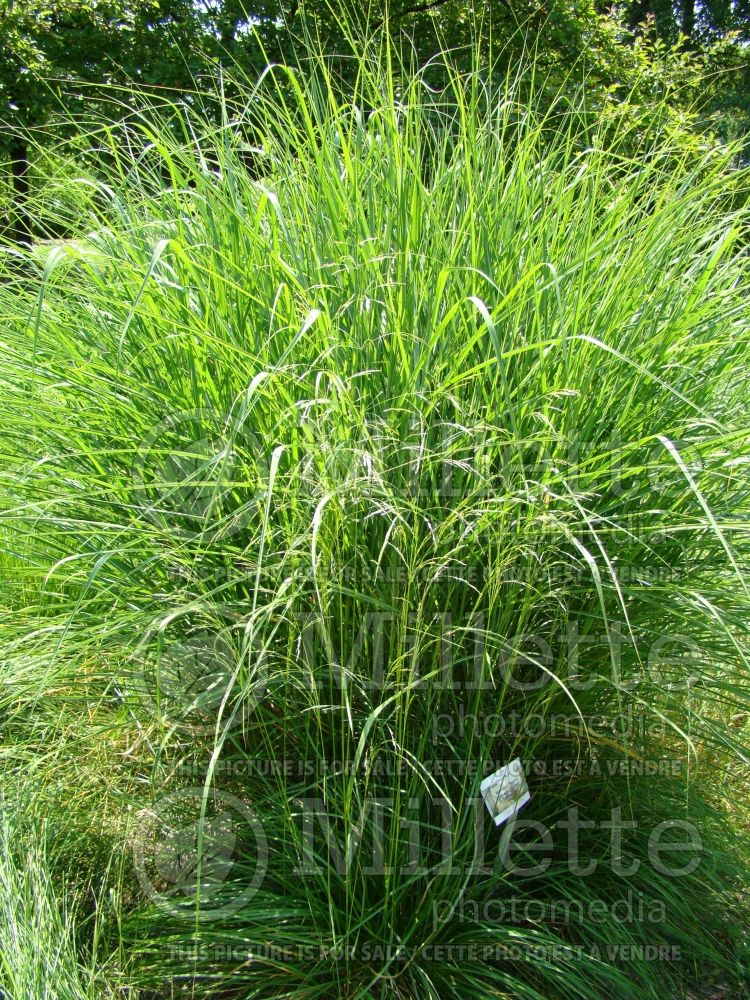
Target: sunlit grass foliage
341,470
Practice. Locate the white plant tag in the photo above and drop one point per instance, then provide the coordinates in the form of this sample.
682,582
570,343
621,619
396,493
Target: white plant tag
505,791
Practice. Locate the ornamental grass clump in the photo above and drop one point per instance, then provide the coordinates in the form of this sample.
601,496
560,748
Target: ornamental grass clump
358,445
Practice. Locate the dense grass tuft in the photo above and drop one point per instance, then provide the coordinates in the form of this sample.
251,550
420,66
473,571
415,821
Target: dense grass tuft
331,485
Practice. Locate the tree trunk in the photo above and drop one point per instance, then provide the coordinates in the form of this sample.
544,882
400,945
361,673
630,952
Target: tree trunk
20,228
688,19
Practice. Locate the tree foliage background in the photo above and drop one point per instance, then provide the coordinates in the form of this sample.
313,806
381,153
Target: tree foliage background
58,57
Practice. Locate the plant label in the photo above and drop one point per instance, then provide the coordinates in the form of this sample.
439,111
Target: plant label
505,791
